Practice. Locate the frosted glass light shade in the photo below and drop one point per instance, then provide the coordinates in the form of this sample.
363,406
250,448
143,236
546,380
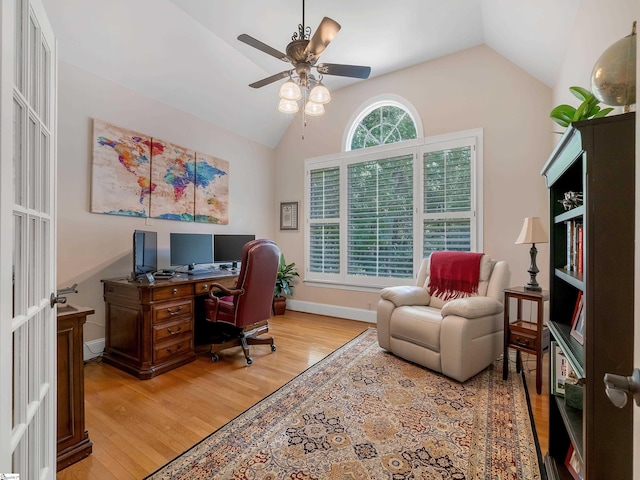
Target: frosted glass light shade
320,94
288,106
532,232
314,109
290,91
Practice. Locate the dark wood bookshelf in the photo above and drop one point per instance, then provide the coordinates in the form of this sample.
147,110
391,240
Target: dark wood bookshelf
595,158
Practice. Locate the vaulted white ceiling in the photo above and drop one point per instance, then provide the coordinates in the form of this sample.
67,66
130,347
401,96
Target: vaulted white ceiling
185,53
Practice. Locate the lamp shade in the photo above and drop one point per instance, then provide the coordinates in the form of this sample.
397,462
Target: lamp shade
314,109
290,91
532,231
288,106
320,94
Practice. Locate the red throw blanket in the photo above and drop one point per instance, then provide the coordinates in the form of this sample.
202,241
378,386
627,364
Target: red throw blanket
454,274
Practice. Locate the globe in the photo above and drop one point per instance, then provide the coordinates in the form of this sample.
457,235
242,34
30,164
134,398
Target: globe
613,80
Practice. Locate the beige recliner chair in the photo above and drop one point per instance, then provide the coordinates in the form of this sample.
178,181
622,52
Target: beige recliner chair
459,337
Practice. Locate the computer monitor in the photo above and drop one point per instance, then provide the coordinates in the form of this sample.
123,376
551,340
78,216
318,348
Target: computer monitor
228,248
145,252
190,249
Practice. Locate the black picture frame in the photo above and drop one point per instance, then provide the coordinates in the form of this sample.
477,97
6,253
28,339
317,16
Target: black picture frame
288,215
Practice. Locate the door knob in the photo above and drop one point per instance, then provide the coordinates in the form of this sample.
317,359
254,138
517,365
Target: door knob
618,387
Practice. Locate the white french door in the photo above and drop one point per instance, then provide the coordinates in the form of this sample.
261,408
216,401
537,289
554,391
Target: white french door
27,241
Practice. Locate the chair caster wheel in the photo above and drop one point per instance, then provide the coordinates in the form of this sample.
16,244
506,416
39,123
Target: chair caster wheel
249,361
214,357
273,348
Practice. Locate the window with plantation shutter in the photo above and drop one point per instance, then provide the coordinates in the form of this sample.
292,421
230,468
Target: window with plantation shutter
374,213
448,207
324,220
380,217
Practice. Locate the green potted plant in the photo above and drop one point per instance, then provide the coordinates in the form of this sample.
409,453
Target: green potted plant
284,285
565,115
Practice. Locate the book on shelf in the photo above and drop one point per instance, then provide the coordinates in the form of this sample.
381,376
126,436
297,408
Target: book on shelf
575,233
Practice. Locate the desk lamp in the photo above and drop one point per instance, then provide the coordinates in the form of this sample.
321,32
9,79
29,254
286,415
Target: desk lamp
532,232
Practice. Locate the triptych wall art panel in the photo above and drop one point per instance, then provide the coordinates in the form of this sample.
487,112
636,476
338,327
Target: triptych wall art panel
140,176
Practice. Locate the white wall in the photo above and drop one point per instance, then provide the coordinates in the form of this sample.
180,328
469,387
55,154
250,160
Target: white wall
598,25
95,246
475,88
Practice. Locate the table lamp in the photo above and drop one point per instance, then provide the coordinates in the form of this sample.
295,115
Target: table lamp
532,232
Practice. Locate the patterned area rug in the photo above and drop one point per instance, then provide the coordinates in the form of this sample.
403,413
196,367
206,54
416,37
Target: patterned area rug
362,413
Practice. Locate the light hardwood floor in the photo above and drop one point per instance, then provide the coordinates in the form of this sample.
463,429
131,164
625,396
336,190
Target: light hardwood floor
138,426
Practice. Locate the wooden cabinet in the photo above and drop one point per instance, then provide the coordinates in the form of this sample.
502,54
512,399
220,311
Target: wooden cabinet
149,328
597,158
73,438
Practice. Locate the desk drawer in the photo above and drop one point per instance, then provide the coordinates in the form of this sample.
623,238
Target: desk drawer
523,339
166,311
177,328
174,291
168,350
204,287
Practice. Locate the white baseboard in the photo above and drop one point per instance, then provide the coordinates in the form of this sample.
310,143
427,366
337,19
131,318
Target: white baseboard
332,310
93,349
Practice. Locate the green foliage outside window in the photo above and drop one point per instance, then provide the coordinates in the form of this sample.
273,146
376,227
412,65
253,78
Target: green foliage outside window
384,125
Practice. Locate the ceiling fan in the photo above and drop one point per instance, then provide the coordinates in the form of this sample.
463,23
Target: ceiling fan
303,53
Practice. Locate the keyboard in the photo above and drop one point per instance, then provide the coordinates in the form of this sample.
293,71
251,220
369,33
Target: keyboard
164,274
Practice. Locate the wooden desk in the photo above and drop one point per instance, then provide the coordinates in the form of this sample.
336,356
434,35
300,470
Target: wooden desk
73,442
149,328
523,335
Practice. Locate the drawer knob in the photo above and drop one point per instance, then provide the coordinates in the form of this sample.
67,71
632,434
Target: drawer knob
518,341
205,287
174,331
174,312
174,291
171,350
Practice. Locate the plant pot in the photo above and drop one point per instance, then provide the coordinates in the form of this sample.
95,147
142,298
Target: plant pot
279,305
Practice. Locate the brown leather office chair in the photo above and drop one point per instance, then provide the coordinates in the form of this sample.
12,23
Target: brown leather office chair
244,312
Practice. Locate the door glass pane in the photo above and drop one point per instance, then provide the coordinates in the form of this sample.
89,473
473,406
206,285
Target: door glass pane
19,375
43,243
43,103
19,307
32,168
32,261
19,458
18,72
33,340
18,152
44,191
33,71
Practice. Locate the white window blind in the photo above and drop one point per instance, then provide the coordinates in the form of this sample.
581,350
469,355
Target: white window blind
374,213
324,220
448,199
380,217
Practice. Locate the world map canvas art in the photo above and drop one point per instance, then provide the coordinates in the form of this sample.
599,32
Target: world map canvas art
137,175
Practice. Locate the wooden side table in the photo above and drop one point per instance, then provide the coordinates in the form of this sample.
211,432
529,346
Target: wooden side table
524,335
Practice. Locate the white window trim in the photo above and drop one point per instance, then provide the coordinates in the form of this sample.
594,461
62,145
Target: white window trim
418,147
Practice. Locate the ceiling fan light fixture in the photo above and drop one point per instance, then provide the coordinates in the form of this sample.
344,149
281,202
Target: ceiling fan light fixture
320,94
314,109
288,106
290,91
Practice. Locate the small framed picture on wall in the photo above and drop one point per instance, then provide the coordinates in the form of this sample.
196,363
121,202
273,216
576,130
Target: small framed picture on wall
289,216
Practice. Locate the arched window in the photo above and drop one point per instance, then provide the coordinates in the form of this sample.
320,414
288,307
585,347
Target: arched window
380,123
